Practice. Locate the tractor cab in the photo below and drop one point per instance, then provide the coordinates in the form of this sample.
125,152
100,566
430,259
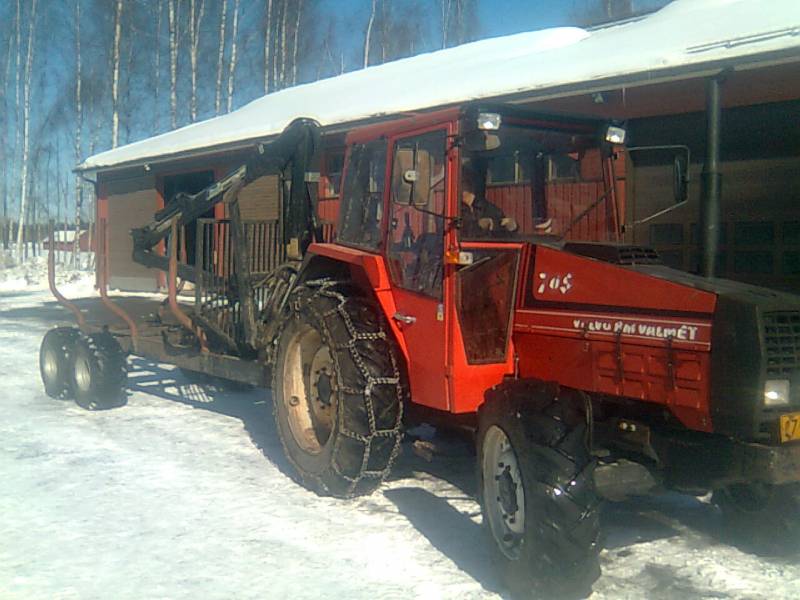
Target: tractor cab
451,201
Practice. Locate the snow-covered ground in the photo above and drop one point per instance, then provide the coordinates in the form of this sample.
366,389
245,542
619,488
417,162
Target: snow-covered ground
184,493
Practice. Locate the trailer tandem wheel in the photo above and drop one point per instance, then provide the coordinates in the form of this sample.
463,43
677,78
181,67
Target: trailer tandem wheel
540,509
98,371
55,356
337,391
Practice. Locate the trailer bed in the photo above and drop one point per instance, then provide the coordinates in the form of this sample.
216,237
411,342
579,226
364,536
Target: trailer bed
154,319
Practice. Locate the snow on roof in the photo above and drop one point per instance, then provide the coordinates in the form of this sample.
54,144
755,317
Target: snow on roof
684,34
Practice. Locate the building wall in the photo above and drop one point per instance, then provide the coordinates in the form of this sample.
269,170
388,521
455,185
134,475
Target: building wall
760,235
259,201
130,203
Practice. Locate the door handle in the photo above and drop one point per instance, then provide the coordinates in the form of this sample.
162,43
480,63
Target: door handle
407,319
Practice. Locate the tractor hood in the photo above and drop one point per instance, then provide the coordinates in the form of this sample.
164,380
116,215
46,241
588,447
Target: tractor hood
741,336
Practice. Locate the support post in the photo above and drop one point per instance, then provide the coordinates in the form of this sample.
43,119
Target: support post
710,207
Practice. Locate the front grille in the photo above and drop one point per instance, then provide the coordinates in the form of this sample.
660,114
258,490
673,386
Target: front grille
637,255
782,343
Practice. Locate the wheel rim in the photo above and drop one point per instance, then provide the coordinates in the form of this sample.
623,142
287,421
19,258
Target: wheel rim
309,394
503,492
83,374
50,365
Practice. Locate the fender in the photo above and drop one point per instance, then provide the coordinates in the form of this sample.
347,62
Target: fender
367,270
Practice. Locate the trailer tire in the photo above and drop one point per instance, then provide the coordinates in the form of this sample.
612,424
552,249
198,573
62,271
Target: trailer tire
337,390
761,518
98,371
536,489
55,355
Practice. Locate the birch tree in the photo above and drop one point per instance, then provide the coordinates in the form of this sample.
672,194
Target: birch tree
459,21
295,39
157,68
267,45
26,114
232,67
223,18
284,18
78,125
173,62
5,157
195,21
368,33
115,76
17,93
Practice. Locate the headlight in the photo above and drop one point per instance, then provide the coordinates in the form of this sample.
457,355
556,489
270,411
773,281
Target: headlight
776,392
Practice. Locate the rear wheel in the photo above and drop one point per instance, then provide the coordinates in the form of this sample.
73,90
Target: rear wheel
98,371
55,355
337,392
540,509
761,518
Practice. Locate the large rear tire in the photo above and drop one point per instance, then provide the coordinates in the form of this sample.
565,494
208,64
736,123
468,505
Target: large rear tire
760,518
55,356
540,509
337,390
98,371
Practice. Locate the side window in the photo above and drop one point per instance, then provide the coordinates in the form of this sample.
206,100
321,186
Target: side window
416,239
361,212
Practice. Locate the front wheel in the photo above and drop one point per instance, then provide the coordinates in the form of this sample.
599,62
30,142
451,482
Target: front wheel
337,390
762,518
540,509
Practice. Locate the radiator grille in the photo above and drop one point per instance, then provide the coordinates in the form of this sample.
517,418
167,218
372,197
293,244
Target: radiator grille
635,255
782,342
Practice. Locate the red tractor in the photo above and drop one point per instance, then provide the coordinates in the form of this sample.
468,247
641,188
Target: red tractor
477,278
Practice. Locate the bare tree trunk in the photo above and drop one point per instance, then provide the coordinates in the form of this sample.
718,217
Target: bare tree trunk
195,21
17,95
78,125
5,156
115,77
368,34
221,56
267,45
446,7
173,63
284,18
157,74
26,114
295,40
275,60
232,67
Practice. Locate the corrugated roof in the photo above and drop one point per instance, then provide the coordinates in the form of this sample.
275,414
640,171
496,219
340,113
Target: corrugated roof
685,35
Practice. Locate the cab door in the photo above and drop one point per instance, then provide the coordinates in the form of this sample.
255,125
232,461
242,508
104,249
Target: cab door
415,254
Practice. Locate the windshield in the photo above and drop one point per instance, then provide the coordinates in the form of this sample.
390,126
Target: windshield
537,182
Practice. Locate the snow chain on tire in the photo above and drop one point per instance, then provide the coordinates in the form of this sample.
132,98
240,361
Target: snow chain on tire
365,437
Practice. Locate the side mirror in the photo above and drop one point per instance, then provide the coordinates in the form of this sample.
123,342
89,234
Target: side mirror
680,179
479,140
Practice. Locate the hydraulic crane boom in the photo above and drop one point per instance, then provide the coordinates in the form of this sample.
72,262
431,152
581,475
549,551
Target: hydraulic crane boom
296,144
